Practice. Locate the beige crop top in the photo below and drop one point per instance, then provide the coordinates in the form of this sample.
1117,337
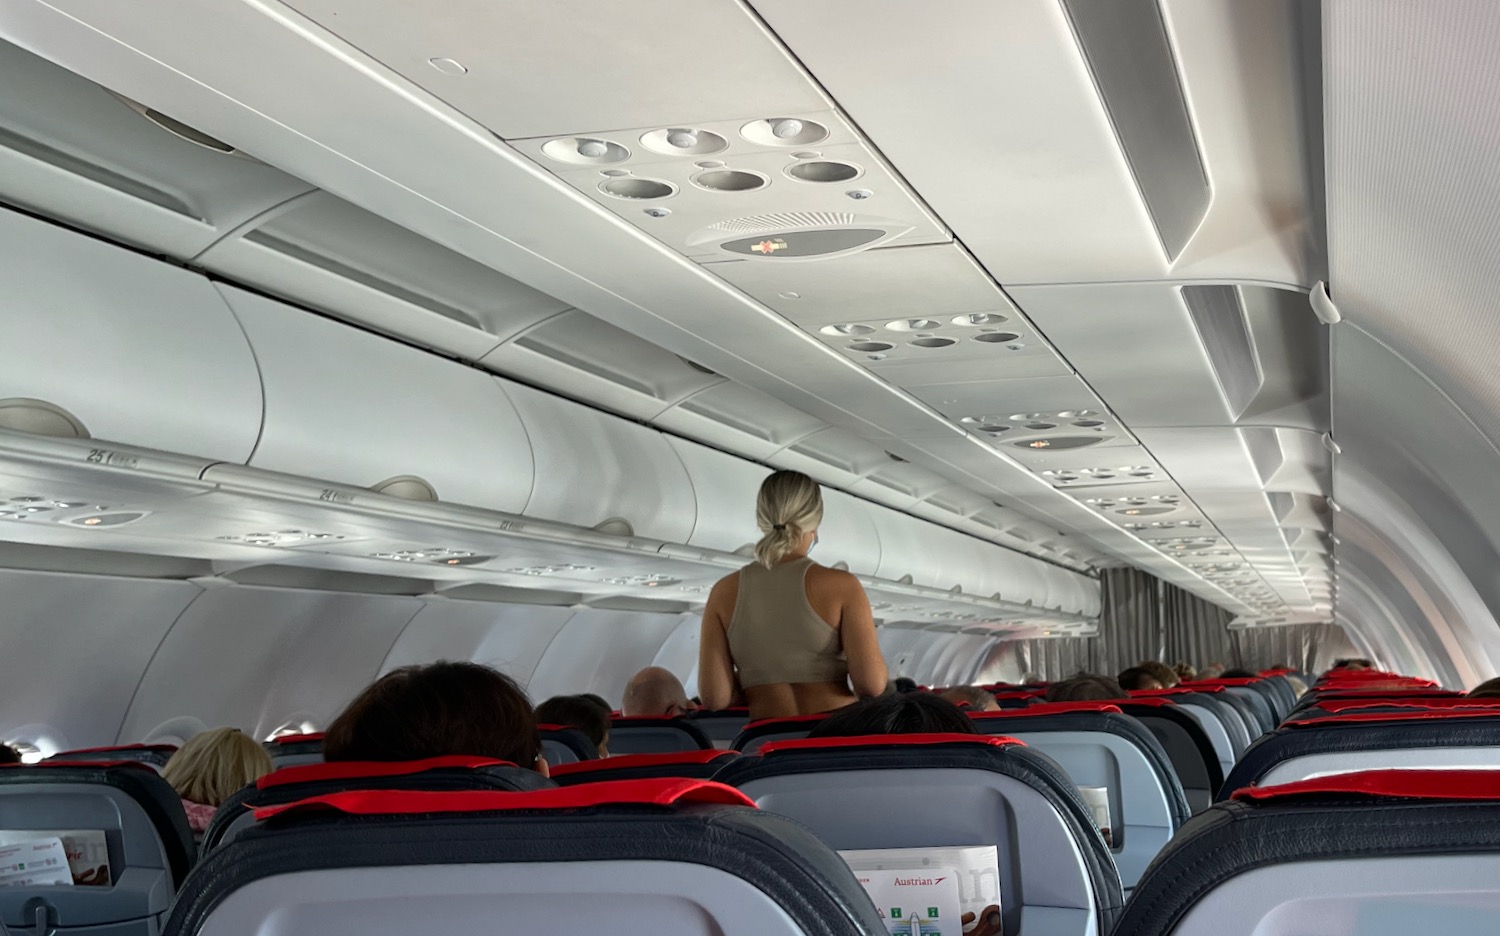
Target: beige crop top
775,636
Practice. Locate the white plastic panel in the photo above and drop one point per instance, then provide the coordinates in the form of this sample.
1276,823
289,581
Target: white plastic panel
73,648
592,467
509,637
256,658
849,534
679,653
332,255
345,405
725,488
598,651
931,555
139,351
70,149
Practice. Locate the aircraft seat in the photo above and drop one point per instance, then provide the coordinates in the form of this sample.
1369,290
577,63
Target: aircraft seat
562,744
631,858
1188,746
294,783
649,734
145,829
1099,746
765,730
695,765
155,755
296,750
1261,713
1378,853
947,790
1304,749
723,726
1225,730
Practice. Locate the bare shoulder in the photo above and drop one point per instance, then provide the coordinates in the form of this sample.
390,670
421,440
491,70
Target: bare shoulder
725,592
828,580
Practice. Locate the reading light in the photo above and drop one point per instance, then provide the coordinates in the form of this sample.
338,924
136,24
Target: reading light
593,149
682,139
786,128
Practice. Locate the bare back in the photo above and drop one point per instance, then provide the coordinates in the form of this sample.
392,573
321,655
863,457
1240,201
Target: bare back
835,598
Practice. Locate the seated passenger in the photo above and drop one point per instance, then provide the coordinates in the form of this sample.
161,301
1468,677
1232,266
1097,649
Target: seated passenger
977,699
912,713
1211,671
437,710
1032,679
9,755
1356,663
1489,689
1086,687
597,700
904,684
1138,677
1185,672
655,692
1238,673
579,712
795,637
212,766
1161,672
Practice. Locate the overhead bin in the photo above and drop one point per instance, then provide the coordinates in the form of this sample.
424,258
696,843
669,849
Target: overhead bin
136,351
347,406
925,554
329,254
594,469
585,357
725,489
71,149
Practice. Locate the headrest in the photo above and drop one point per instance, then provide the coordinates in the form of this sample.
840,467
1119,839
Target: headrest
790,721
669,759
1335,706
84,765
1223,681
627,720
114,748
353,770
1404,784
1365,716
1184,689
1052,708
298,738
1152,701
886,741
737,711
668,792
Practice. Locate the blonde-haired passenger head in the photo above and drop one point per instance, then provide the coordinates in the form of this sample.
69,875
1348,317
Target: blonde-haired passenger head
212,765
789,507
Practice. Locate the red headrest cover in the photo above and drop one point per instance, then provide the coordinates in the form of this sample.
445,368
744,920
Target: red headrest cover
354,770
298,738
119,747
1334,706
789,721
1361,716
97,765
664,792
1411,784
670,759
899,740
1054,708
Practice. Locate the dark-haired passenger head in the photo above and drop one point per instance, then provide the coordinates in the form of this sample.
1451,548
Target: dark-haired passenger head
913,713
1086,688
578,712
437,710
905,684
9,755
598,700
1138,677
1489,689
1239,674
1161,672
977,699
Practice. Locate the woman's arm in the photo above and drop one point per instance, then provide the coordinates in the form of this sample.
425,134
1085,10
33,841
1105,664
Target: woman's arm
867,673
716,684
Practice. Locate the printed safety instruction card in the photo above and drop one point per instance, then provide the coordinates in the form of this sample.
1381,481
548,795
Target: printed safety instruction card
932,891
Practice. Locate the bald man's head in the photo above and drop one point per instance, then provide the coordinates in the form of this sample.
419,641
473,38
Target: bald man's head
655,691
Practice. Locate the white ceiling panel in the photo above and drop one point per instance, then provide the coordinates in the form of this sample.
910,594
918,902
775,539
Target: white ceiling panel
532,69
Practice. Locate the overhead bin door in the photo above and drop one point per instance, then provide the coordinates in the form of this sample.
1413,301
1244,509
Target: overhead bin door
592,468
348,406
725,489
137,351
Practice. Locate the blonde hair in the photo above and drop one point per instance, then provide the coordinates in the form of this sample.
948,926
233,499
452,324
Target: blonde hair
789,506
212,765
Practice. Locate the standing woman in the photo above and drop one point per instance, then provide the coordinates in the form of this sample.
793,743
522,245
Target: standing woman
796,637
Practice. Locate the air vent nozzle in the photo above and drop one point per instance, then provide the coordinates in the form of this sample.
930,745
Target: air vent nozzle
406,487
38,417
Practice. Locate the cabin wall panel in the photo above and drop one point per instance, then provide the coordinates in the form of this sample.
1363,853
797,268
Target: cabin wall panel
256,658
73,649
